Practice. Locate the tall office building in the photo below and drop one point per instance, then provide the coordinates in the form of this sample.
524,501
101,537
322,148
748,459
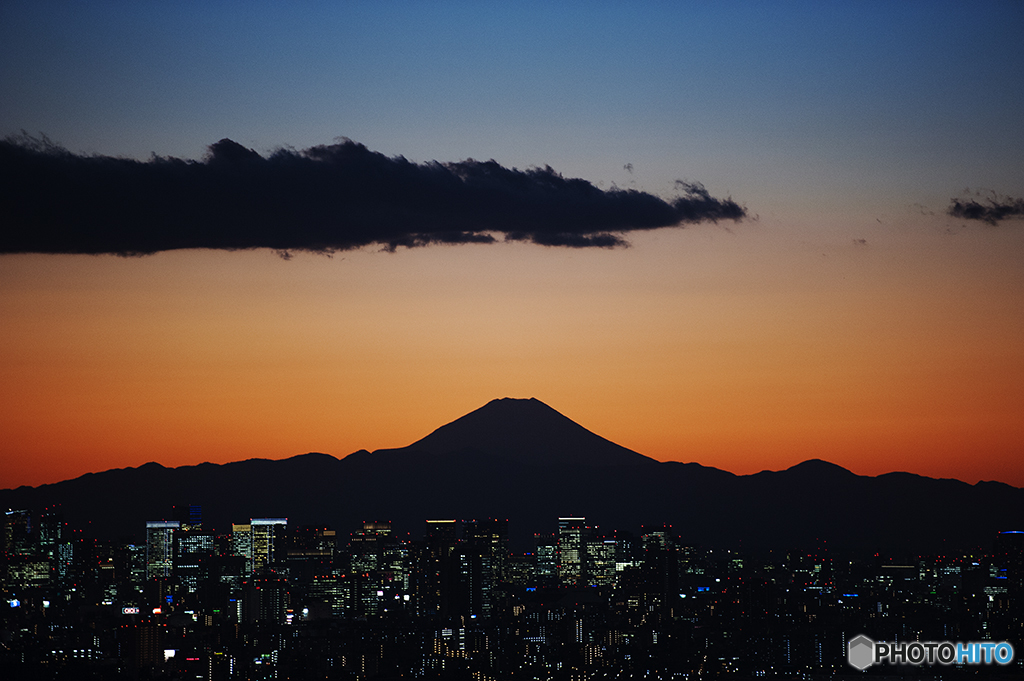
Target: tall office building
265,600
51,532
21,564
546,562
241,544
193,551
268,542
311,551
370,556
135,559
63,559
601,555
368,545
491,536
160,547
571,550
438,573
483,557
143,645
17,533
54,546
661,562
333,590
476,581
521,569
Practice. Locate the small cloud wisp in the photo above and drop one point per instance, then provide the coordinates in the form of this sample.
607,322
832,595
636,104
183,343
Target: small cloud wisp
994,210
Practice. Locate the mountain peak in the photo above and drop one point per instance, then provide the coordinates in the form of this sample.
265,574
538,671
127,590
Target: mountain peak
819,467
527,431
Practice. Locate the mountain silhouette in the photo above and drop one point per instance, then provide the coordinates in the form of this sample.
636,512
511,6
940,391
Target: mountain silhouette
525,431
522,460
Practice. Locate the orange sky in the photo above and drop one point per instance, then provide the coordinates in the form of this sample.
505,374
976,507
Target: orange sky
746,350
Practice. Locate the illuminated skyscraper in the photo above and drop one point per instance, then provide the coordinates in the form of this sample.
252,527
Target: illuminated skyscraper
546,570
491,536
268,539
483,557
522,569
51,532
371,553
571,550
601,554
20,564
333,590
241,544
193,551
160,547
17,533
368,545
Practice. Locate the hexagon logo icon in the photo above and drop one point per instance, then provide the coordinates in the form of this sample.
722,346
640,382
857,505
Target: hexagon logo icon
860,652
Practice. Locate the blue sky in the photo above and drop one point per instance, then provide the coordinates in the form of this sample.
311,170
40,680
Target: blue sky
843,99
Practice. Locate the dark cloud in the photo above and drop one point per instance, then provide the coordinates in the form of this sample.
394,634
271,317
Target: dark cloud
994,209
325,198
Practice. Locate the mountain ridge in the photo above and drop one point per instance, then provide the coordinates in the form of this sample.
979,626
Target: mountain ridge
522,460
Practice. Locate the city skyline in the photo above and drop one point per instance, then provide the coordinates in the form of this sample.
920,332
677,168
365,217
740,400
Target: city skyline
865,310
588,602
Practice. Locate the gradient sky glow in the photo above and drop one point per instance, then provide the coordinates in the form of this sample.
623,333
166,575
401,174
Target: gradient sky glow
852,320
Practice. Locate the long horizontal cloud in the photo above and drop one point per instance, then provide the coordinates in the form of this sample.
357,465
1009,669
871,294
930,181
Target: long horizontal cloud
325,198
993,210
